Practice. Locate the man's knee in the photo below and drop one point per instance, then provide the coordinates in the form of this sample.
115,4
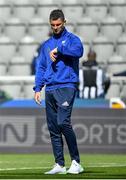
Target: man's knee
64,125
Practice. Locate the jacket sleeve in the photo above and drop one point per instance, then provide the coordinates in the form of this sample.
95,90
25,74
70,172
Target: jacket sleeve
40,71
71,47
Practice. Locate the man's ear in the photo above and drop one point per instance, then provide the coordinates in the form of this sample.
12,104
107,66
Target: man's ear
64,22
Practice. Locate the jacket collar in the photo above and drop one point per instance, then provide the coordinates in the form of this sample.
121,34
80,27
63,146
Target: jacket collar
56,36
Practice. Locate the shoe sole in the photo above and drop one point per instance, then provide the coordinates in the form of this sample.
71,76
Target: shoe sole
62,173
81,170
56,173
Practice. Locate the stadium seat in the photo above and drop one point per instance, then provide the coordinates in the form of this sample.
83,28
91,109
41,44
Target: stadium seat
70,27
117,1
103,48
3,68
121,48
5,12
86,50
45,2
70,2
111,28
15,29
118,9
3,2
19,67
85,19
24,11
27,47
11,2
43,11
12,88
114,89
38,29
25,2
7,48
73,12
115,58
28,90
116,64
1,28
121,45
97,11
94,1
123,91
87,30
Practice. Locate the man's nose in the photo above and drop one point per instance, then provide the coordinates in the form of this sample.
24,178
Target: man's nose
55,27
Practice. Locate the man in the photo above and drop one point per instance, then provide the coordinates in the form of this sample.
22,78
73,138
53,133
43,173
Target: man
93,81
58,70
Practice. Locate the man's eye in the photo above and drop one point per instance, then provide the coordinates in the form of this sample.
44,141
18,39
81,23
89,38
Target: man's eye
55,25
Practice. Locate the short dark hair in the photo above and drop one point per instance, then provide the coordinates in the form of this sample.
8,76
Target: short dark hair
92,53
56,14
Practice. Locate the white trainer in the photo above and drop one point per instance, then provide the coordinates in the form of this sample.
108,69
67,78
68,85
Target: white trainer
57,169
75,168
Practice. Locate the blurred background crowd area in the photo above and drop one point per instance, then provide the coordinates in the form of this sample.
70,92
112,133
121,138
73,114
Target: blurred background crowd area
100,24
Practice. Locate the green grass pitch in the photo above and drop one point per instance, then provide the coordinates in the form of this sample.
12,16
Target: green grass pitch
33,166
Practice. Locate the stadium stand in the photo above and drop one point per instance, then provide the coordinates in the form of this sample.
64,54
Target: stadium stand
70,27
7,48
18,66
97,10
87,29
24,12
25,2
73,12
114,89
13,88
86,50
123,91
27,86
103,47
116,9
3,68
27,47
15,25
121,45
116,64
44,10
38,29
106,28
28,94
70,2
5,10
100,24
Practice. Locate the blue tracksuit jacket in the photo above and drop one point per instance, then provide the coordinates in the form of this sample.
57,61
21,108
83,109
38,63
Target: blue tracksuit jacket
65,71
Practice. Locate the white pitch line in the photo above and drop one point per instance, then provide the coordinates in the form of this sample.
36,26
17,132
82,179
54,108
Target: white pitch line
106,165
95,165
23,168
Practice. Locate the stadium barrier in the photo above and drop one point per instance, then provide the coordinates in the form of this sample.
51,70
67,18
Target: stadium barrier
98,130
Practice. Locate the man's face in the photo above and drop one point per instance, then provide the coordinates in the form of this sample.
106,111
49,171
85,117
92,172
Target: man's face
57,25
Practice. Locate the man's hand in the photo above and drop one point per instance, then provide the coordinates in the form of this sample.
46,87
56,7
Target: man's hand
53,54
37,97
